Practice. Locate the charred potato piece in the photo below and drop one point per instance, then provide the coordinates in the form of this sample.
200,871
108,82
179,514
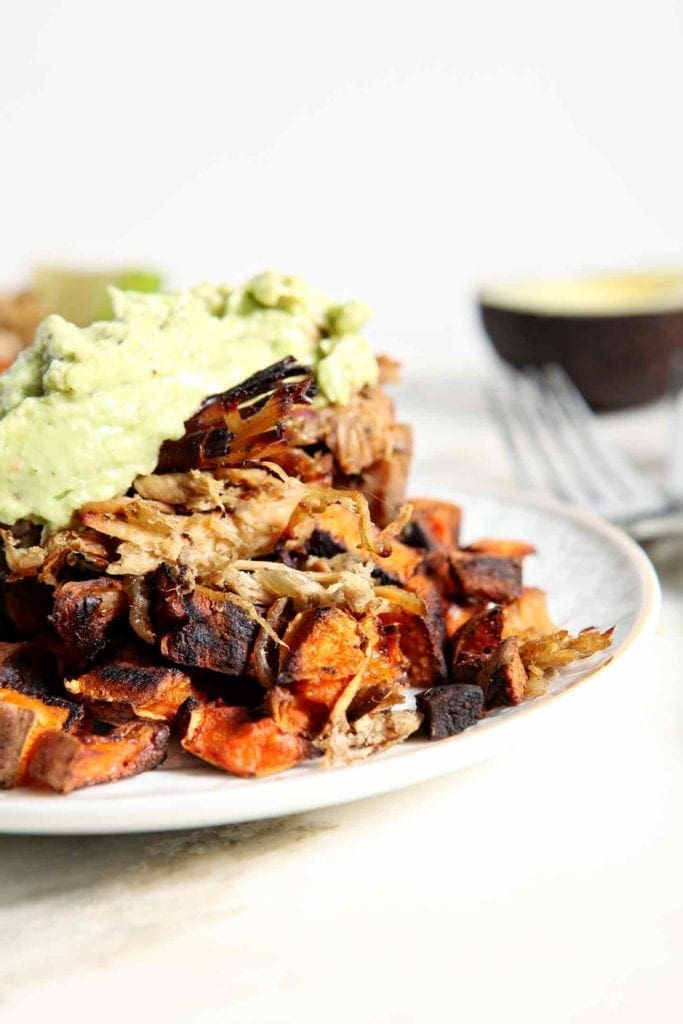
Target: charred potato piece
474,643
448,710
325,653
28,667
504,678
437,566
151,691
486,577
329,648
83,614
218,635
324,649
64,761
330,532
23,719
434,525
399,566
18,728
169,589
422,637
457,615
229,738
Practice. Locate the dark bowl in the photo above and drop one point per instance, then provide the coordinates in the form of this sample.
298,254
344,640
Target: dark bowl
614,335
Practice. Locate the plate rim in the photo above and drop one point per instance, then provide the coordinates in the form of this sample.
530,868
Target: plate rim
373,777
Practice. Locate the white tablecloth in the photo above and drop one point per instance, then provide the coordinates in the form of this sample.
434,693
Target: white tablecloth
543,886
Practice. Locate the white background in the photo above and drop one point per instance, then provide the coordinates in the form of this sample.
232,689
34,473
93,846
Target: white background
395,152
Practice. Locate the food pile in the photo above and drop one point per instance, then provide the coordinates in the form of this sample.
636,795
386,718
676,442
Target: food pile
264,596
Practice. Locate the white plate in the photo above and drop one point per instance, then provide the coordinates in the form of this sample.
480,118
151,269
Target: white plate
594,575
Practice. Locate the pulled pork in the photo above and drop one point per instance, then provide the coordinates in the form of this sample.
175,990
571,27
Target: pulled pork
264,596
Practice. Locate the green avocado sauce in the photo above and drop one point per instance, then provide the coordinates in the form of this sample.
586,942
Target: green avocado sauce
85,410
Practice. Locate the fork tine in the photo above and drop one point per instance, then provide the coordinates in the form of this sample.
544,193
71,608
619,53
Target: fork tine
566,472
555,447
608,461
597,489
501,410
536,452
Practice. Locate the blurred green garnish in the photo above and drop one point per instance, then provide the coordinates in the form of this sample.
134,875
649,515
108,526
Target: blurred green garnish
81,295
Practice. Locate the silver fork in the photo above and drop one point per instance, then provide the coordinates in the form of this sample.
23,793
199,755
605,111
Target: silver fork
556,447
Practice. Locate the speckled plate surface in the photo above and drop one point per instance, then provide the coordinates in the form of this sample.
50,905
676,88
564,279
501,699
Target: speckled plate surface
594,575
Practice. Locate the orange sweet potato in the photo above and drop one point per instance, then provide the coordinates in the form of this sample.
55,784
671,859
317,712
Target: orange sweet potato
434,525
229,738
474,643
324,649
329,647
422,637
24,718
65,761
150,691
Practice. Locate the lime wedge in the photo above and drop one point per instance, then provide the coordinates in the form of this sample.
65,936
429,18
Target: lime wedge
81,295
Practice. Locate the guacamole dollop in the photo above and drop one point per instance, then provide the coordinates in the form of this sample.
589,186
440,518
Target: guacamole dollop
85,410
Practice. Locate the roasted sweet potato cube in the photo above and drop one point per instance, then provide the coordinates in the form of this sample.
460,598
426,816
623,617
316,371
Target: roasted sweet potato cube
30,667
399,566
486,577
294,712
338,526
329,648
436,565
229,738
474,643
151,691
457,615
434,525
528,615
386,663
23,719
503,678
325,653
422,637
324,648
66,761
448,710
218,635
18,728
169,588
84,613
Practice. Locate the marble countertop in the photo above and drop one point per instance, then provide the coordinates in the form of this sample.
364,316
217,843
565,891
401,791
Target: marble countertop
543,885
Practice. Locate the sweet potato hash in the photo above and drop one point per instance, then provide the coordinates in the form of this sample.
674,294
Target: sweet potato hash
265,596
